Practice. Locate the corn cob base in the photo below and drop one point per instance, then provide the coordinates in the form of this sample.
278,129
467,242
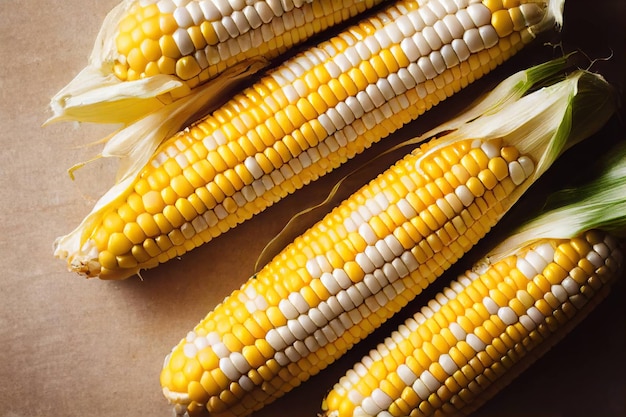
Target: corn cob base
481,332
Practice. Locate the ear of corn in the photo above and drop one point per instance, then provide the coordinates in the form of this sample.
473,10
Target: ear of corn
149,53
363,262
490,324
297,123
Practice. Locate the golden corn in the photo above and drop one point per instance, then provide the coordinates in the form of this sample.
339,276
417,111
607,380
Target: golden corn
297,123
343,278
489,327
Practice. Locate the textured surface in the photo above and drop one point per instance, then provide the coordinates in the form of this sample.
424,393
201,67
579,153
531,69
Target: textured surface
73,347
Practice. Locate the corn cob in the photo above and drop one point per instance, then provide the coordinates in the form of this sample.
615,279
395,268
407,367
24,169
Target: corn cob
490,324
299,122
363,262
479,333
150,52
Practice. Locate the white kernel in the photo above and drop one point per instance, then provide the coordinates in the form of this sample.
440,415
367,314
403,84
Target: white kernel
448,364
298,301
473,40
527,322
286,335
430,381
405,26
372,283
390,272
457,331
406,374
536,260
296,329
342,278
287,309
464,194
317,317
311,343
559,292
230,26
442,31
454,26
368,234
526,268
437,61
381,399
595,259
490,305
516,172
427,68
370,408
465,19
405,264
427,16
570,285
421,390
239,362
475,343
384,251
226,366
307,323
437,8
449,56
489,36
507,315
479,13
365,263
416,20
281,358
374,256
190,350
460,48
527,165
536,315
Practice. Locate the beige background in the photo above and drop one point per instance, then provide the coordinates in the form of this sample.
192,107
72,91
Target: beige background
74,347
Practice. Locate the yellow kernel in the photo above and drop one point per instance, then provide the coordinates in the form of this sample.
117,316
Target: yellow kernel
253,356
185,208
150,49
493,5
134,233
119,244
554,273
169,47
166,65
107,260
176,237
187,67
337,89
113,223
136,60
126,213
354,271
475,186
173,216
167,24
502,23
509,153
